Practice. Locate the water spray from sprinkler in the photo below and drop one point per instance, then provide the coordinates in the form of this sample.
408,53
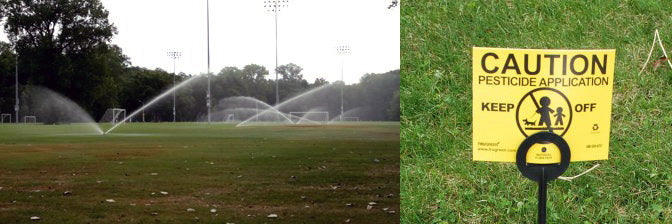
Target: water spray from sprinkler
153,101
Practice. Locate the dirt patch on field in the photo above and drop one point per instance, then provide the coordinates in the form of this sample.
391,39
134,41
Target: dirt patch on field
386,170
46,178
128,152
106,150
304,126
39,148
214,191
322,126
10,206
173,200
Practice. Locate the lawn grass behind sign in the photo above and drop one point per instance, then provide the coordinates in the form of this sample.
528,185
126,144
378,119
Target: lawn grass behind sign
440,182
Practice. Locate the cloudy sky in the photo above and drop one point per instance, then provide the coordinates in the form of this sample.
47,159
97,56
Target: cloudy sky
243,32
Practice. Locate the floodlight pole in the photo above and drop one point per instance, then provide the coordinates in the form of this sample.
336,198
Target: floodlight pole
342,84
274,6
174,55
342,50
277,85
16,88
208,95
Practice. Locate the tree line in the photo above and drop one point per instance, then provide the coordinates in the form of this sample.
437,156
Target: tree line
65,46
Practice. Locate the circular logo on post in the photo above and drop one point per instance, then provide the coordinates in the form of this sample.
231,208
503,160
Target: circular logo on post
544,109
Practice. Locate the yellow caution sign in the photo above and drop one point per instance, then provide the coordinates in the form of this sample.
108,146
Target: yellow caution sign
519,92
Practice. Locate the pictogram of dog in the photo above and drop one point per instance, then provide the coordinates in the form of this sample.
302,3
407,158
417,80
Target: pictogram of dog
528,122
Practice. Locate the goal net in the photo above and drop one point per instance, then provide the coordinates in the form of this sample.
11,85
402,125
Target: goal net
113,116
29,119
309,117
230,118
6,118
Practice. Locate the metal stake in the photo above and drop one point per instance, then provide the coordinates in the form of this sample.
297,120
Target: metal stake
541,204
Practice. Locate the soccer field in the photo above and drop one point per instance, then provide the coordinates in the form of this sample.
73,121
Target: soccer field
186,172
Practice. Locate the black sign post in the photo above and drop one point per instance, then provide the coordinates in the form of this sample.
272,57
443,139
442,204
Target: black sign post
542,173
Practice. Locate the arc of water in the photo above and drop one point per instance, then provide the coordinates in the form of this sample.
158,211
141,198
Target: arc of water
293,118
305,118
301,95
269,109
278,106
265,108
64,103
346,113
157,98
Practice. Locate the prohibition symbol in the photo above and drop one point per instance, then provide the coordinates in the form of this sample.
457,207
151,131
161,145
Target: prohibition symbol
544,109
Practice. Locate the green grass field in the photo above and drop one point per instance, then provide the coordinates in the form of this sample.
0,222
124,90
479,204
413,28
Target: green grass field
304,174
440,182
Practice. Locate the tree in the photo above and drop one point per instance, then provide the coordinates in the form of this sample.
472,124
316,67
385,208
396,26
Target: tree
7,60
394,110
379,93
140,85
255,72
64,46
320,82
292,81
230,81
290,72
62,26
393,4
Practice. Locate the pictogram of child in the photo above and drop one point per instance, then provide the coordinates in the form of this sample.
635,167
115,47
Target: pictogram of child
559,116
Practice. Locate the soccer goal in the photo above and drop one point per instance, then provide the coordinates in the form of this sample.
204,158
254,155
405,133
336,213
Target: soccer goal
350,119
319,117
29,119
113,115
6,118
230,118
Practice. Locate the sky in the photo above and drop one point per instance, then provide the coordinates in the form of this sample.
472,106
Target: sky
242,32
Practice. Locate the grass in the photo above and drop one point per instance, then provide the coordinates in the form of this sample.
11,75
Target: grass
304,174
440,183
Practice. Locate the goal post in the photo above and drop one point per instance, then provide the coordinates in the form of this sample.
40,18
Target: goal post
6,118
29,119
113,116
320,117
230,118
